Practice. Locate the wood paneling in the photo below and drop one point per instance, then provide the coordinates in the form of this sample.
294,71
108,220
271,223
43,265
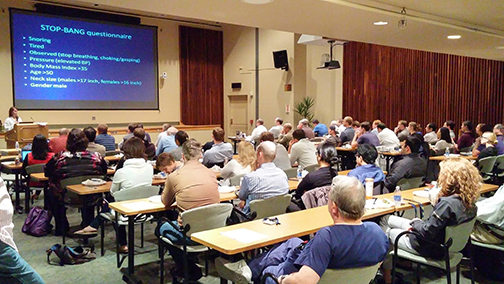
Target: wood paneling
387,83
201,76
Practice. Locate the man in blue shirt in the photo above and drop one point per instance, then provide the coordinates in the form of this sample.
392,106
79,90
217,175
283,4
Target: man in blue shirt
220,150
320,129
104,139
365,158
349,243
167,143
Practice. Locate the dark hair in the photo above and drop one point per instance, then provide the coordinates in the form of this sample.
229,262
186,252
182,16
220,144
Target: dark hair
279,120
450,124
486,128
134,148
102,128
181,137
11,110
133,126
90,133
332,127
163,160
368,153
366,125
40,147
327,153
381,126
469,125
218,134
355,123
432,126
315,121
298,134
445,134
76,141
260,121
267,136
414,143
403,122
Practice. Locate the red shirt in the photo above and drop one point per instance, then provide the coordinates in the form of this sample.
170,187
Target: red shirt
58,144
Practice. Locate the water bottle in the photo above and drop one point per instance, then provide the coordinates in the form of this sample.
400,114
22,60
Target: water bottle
299,173
17,146
447,152
397,196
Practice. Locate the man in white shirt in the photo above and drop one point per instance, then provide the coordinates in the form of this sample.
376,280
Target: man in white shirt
13,269
430,133
387,137
301,150
220,150
277,129
256,133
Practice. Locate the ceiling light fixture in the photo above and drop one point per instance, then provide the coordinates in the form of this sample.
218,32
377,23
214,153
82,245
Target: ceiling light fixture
402,23
500,47
380,23
454,36
257,2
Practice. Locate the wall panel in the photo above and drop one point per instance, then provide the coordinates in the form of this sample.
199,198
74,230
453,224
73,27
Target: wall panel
394,83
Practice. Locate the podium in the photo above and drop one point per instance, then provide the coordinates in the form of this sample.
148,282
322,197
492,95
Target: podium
24,132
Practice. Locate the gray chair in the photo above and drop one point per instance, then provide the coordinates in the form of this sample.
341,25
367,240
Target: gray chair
291,173
270,206
123,195
409,183
312,168
485,167
499,166
456,238
195,220
235,181
33,169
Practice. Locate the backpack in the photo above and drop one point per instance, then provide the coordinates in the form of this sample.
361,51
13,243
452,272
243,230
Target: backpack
68,255
38,222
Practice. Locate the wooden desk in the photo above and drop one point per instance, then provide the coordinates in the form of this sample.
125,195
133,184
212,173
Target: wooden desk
442,158
344,149
112,158
9,151
81,189
9,158
110,172
293,224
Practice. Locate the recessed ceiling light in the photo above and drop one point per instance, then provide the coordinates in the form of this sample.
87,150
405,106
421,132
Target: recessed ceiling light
500,47
454,36
257,2
380,23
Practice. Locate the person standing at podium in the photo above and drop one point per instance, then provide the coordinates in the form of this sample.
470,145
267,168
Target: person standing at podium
13,119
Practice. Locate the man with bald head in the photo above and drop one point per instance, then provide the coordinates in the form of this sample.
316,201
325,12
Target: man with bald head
58,144
265,182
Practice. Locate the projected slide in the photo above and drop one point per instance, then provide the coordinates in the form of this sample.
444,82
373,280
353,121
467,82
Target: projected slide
62,63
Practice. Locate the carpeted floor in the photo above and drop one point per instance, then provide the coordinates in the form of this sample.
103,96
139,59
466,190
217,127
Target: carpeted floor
103,269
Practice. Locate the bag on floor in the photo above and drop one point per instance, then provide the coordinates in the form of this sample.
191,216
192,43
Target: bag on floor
38,222
68,255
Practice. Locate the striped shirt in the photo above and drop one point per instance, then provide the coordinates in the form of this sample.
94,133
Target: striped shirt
267,181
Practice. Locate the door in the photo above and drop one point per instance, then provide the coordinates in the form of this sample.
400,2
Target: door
238,114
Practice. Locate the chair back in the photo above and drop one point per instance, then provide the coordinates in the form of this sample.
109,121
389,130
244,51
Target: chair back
138,192
234,181
113,152
466,149
270,206
459,235
206,217
499,163
291,173
409,183
38,168
485,166
357,275
312,168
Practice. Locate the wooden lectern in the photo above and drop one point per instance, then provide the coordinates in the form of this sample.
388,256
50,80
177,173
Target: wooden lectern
24,132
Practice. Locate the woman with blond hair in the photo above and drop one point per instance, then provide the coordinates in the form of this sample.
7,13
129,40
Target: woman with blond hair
244,164
459,184
488,139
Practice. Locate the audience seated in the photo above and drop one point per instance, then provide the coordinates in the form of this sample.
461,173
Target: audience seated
108,141
131,128
443,142
333,136
451,126
430,133
355,125
58,144
282,157
327,158
245,163
489,140
499,145
412,165
135,172
191,186
467,138
374,126
220,152
260,128
301,150
347,134
180,137
163,133
166,163
167,143
92,146
366,168
149,148
304,125
350,243
401,130
286,135
266,181
74,162
363,136
277,128
38,155
459,184
319,129
387,137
